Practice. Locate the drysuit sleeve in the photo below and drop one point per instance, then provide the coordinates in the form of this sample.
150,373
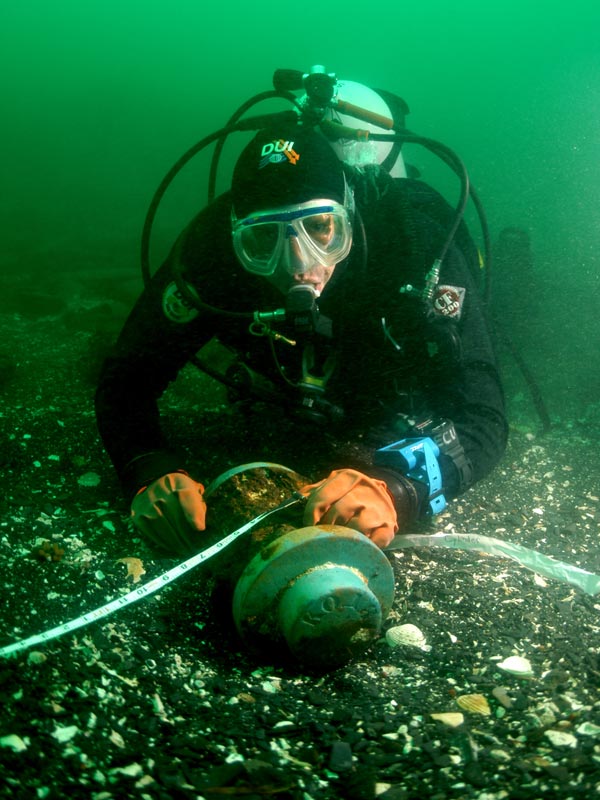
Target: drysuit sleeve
148,355
470,394
448,353
163,331
464,415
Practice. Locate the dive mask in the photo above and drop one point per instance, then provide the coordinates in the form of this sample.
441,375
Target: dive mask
297,237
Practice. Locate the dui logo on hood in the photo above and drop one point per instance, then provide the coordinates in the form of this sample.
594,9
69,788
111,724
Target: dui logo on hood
279,150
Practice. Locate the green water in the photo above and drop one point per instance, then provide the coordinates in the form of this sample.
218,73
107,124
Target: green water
101,98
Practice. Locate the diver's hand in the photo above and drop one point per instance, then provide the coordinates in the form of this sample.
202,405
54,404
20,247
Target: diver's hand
347,497
171,513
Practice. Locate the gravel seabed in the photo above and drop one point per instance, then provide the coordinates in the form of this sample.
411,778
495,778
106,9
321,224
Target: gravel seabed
161,700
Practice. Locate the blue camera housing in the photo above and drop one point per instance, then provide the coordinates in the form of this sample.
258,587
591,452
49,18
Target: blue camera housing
417,459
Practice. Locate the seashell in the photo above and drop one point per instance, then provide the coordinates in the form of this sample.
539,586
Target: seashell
89,479
474,704
408,635
450,718
36,657
502,696
516,665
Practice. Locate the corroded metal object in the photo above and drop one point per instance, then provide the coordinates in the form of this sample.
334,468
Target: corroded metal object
318,594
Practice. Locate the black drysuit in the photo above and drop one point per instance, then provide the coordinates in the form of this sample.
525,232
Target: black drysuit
393,358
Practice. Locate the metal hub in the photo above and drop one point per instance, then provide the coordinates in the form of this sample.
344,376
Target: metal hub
321,592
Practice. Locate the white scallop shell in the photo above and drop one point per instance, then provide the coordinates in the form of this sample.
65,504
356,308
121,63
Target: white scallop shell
516,665
408,635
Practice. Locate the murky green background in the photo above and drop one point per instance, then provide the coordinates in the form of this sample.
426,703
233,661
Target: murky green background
99,99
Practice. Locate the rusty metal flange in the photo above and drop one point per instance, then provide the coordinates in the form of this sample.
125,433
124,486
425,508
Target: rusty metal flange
320,592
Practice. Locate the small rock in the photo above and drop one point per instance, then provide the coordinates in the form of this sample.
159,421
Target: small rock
502,696
131,770
340,759
116,738
588,729
65,733
16,744
561,738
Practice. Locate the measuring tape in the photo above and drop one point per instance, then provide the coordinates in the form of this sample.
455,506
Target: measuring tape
148,588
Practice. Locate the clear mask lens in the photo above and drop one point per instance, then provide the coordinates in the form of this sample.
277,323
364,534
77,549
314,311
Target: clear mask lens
296,239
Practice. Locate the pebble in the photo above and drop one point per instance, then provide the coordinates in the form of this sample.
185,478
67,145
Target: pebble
65,733
16,744
116,738
502,696
546,714
340,759
131,770
588,729
561,738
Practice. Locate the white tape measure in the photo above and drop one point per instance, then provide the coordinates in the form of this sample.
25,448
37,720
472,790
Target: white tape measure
148,588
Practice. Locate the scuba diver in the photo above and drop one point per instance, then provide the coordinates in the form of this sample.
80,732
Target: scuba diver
346,292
